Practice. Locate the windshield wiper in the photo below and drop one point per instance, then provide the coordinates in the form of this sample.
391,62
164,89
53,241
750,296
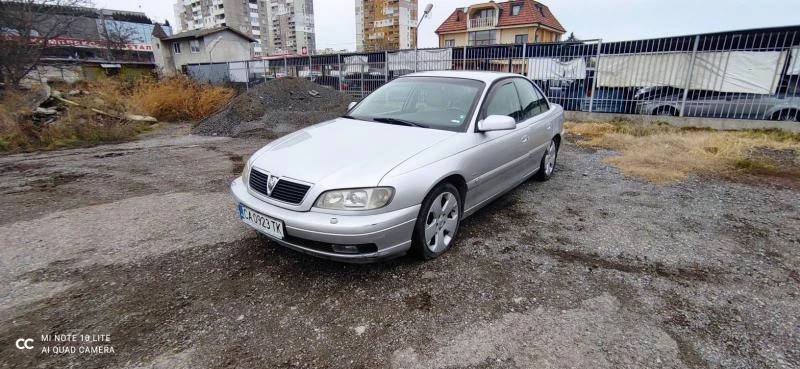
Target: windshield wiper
401,122
348,117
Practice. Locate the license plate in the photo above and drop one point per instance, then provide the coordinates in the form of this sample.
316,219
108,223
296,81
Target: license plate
261,222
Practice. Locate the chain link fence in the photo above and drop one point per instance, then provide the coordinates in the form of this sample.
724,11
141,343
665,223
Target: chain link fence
749,74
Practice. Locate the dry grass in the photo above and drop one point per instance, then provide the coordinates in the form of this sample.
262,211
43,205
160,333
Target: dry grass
663,153
178,98
173,99
77,128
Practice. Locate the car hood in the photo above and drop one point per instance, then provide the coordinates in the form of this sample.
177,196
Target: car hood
345,152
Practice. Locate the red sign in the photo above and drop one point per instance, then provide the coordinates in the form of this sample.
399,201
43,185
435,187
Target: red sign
94,44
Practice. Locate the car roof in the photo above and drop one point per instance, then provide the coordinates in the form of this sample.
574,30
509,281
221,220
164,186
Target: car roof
486,77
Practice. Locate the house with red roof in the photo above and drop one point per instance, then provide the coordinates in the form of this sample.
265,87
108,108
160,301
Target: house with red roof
509,22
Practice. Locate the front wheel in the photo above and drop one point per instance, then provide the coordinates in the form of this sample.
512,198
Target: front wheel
437,223
548,164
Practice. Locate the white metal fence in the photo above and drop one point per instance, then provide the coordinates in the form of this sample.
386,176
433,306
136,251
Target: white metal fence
750,74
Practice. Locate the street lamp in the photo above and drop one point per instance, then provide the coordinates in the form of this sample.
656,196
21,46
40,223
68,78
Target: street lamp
425,14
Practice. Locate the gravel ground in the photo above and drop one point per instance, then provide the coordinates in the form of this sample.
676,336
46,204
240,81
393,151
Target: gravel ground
274,108
140,241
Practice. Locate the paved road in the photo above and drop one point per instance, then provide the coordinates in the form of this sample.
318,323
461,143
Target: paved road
140,241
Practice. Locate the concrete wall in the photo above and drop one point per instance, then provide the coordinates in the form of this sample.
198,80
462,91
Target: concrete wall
162,56
186,55
713,123
230,48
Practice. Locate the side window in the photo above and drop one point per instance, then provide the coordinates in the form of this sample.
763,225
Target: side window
528,98
533,102
541,101
504,101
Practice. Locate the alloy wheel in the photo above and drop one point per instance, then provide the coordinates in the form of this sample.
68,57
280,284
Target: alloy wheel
441,222
550,159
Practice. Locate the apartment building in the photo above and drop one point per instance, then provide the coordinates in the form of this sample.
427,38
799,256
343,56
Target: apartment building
291,28
386,25
279,26
509,22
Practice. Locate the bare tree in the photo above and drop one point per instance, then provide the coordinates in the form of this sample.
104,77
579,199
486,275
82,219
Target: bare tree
116,37
28,27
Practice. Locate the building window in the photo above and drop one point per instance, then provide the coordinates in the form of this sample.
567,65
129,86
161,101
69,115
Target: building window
449,43
482,38
515,9
521,39
194,46
484,13
176,47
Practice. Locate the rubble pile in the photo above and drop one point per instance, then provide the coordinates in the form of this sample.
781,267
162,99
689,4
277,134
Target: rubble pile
274,108
50,105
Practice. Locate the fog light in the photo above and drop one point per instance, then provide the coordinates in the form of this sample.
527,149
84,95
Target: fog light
345,249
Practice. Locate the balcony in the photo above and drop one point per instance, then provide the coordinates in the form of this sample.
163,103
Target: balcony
477,23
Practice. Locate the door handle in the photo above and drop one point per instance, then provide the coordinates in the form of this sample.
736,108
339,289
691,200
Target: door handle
525,138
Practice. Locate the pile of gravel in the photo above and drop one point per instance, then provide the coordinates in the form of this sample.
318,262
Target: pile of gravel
275,108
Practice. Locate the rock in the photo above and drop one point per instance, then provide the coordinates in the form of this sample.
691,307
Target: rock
55,93
74,92
45,111
99,101
140,118
39,94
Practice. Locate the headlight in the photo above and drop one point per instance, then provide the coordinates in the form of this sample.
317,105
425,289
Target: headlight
246,173
355,198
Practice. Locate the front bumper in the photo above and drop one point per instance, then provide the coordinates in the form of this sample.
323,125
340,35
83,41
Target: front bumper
308,231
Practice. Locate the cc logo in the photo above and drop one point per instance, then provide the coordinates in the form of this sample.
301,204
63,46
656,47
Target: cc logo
25,343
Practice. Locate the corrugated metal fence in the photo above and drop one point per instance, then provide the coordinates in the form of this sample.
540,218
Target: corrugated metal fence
749,74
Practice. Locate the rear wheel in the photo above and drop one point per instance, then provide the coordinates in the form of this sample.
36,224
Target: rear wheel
789,115
666,111
437,223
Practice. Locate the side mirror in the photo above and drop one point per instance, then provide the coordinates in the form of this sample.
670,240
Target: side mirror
351,105
497,123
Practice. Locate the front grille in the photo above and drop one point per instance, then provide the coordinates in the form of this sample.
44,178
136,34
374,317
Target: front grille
286,191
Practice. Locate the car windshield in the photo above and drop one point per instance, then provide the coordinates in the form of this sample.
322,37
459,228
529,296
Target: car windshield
427,102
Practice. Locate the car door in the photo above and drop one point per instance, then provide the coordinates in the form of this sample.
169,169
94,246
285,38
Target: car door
497,158
534,118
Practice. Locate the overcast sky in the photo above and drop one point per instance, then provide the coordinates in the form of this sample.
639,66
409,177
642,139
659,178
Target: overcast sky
611,20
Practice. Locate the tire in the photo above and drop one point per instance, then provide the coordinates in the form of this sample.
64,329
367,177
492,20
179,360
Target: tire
666,111
547,166
787,116
435,230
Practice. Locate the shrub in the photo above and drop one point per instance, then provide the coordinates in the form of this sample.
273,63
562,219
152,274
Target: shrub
178,98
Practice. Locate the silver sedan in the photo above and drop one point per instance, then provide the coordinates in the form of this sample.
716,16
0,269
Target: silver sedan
403,168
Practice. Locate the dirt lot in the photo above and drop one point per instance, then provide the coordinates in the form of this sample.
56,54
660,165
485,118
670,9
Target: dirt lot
140,241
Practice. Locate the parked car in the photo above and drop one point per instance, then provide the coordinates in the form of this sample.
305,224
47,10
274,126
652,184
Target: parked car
404,167
713,104
566,92
329,81
366,82
610,100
